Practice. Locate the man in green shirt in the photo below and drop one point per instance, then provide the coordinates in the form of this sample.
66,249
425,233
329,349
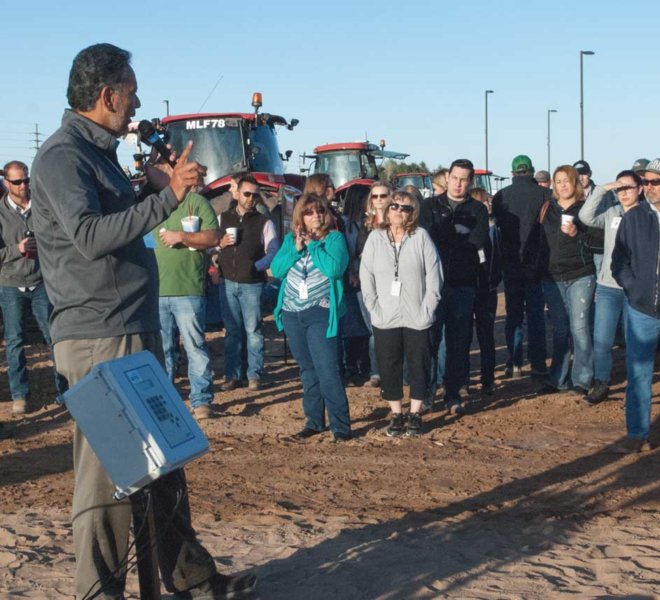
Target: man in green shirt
182,265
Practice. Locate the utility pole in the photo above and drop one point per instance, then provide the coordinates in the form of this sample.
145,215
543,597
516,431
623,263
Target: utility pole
550,111
486,132
583,53
36,140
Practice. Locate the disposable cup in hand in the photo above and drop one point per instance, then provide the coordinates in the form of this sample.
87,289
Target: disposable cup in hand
190,224
567,220
232,232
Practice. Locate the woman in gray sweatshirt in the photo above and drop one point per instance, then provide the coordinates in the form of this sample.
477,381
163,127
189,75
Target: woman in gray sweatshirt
604,209
401,278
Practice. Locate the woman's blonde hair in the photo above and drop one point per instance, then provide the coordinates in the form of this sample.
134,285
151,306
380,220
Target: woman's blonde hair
371,211
318,184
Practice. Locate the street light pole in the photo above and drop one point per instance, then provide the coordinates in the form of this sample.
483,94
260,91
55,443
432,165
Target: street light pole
486,102
550,110
582,54
167,107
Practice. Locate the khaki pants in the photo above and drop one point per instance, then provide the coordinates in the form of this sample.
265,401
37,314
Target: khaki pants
101,524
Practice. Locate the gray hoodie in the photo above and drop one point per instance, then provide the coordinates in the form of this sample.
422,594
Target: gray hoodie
420,274
602,210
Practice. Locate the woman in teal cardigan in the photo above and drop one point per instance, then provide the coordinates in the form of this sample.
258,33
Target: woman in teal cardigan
311,265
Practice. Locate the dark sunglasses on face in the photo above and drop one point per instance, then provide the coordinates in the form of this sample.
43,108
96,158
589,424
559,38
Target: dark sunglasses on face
311,211
19,181
376,196
652,182
406,208
249,194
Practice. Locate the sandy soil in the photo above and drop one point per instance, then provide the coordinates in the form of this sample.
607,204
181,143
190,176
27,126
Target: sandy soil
520,498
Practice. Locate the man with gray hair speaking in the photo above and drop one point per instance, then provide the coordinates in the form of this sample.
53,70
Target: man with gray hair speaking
103,284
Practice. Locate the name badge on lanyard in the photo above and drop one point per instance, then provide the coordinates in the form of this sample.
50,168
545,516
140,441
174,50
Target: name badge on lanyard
395,289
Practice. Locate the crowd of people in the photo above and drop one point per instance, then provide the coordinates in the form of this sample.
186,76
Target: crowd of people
387,287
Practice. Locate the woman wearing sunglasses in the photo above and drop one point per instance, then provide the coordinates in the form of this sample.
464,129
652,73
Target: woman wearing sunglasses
604,211
378,199
401,278
311,265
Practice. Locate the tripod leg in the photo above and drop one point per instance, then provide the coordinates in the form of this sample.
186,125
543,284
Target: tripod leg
145,545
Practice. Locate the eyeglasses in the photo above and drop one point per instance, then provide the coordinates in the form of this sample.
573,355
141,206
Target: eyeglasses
652,182
18,181
249,194
406,208
314,210
626,188
382,196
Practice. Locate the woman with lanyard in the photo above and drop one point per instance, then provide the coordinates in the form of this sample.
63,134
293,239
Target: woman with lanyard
379,198
401,278
311,265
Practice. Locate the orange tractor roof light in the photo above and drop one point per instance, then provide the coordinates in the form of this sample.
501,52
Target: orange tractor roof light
256,101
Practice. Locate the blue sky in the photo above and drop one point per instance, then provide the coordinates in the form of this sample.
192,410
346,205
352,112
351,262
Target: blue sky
413,73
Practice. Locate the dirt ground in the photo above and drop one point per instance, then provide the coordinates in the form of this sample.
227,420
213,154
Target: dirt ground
519,498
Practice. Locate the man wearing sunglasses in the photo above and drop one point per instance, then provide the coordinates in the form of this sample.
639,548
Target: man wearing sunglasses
636,268
21,284
248,243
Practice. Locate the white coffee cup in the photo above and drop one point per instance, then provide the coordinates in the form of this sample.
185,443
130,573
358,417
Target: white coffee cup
190,224
232,232
567,220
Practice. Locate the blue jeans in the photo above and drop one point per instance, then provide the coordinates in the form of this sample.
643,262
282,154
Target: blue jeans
14,304
316,356
441,359
240,305
610,303
189,315
524,298
455,315
641,342
570,308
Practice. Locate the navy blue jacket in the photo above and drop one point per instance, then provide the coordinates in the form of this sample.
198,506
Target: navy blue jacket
636,258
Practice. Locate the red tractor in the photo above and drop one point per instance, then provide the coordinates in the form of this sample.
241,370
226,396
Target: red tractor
488,181
422,181
351,165
231,142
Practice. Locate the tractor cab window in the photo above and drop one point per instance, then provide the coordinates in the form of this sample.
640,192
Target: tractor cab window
263,151
342,166
217,143
369,168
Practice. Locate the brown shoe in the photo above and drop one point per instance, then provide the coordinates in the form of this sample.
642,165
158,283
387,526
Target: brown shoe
19,407
231,384
631,446
202,412
254,385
